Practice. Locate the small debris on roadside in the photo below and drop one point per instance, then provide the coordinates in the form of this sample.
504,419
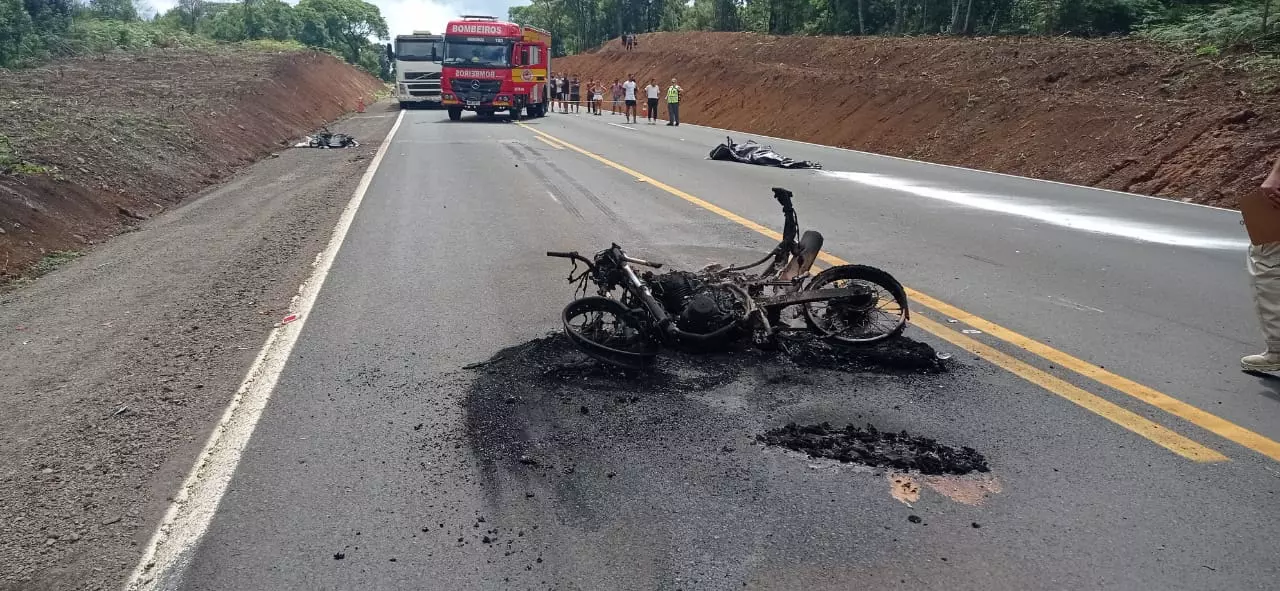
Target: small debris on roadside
914,518
339,556
325,139
976,525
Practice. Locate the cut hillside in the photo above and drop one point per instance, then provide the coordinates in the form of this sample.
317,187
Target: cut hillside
1117,114
91,145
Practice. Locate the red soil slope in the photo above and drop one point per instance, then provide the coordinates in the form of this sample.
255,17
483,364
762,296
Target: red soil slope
126,136
1117,114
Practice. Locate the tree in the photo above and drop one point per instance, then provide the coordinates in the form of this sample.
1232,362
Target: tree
18,37
344,27
190,13
120,10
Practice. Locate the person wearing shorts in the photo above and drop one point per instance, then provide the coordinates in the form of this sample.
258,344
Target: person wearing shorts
651,93
629,95
575,93
597,97
616,92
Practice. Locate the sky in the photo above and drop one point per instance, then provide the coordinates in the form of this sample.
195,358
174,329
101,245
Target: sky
406,16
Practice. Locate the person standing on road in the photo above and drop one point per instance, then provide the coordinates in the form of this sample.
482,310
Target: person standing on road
1264,271
616,92
563,94
673,103
575,93
597,97
651,93
629,95
555,91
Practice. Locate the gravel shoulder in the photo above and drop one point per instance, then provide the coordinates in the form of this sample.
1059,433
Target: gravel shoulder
118,364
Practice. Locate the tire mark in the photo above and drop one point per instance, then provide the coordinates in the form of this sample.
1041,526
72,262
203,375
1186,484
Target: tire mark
514,152
556,194
608,212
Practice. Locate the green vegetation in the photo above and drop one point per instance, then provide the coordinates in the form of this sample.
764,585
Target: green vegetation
52,261
1207,26
32,31
12,163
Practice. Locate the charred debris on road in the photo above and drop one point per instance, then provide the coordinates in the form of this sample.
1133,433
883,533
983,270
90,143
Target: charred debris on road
516,382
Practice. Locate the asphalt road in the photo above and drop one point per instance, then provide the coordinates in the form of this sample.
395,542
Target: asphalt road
377,445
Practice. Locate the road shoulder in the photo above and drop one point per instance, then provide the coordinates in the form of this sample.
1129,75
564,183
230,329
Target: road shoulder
120,363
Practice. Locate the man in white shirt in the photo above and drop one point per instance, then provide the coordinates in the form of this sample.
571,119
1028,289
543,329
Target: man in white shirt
651,92
629,95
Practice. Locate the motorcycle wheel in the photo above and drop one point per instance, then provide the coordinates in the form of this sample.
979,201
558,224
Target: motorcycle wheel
609,332
876,314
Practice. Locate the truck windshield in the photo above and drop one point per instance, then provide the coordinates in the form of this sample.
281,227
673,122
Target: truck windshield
466,52
414,50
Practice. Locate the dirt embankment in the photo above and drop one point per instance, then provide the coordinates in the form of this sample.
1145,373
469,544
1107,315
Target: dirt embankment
115,140
1116,114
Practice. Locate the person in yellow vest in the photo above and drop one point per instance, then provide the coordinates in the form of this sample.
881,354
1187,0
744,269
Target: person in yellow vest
673,103
1264,271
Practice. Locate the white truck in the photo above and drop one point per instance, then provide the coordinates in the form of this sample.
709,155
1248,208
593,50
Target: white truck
417,60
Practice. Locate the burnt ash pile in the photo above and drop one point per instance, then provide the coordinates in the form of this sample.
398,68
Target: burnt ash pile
897,355
872,447
553,358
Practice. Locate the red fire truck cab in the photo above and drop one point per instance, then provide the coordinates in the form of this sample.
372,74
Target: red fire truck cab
492,66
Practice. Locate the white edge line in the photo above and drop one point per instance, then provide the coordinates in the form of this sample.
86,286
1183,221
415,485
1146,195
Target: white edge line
1012,176
193,507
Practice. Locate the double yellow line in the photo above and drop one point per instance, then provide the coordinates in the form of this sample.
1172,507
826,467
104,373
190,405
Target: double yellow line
1125,418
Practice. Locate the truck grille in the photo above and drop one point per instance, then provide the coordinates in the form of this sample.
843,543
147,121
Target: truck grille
422,83
472,89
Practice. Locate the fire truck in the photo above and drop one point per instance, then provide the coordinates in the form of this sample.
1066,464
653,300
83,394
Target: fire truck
492,66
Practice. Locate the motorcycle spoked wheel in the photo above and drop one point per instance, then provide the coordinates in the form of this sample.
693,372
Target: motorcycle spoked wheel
609,332
878,314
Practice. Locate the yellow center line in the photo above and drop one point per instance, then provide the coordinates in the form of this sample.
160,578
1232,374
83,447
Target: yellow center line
551,143
1116,414
1102,407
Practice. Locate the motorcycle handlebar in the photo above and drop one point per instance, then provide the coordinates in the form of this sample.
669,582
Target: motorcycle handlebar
783,196
573,254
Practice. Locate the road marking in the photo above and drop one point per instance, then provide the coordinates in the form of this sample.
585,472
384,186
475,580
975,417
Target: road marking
626,127
1210,422
549,142
1047,213
954,167
193,507
1130,420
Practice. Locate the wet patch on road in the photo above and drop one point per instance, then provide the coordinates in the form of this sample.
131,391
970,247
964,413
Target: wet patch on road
872,447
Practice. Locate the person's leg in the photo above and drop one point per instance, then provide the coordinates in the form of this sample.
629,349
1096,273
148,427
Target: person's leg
1264,271
675,113
671,113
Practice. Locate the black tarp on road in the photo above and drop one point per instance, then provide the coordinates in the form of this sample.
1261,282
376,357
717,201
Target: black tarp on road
753,153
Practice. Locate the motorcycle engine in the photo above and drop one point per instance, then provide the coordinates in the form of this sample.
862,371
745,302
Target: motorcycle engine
696,307
708,310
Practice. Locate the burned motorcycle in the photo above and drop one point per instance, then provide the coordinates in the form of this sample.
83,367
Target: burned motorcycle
846,304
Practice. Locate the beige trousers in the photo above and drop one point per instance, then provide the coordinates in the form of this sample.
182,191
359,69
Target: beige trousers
1264,270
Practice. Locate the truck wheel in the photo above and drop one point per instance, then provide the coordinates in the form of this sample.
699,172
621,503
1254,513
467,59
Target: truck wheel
404,105
514,113
455,114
